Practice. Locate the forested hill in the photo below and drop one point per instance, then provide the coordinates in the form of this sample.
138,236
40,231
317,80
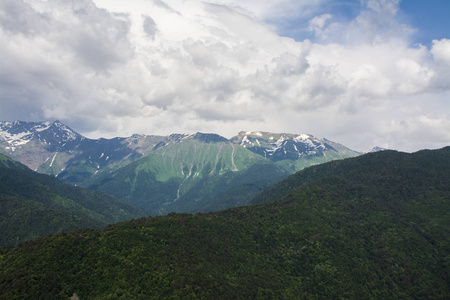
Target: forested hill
378,230
423,167
33,205
7,162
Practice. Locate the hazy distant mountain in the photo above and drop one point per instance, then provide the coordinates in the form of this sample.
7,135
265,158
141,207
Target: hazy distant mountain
34,205
377,149
179,172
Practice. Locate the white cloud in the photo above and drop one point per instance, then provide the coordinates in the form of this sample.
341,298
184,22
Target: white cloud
158,67
273,9
317,24
441,51
441,54
386,7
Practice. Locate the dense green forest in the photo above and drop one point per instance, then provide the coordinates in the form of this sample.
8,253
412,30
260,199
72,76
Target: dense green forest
33,205
372,227
432,165
7,162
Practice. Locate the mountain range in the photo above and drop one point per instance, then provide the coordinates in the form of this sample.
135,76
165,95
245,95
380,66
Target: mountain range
371,227
180,172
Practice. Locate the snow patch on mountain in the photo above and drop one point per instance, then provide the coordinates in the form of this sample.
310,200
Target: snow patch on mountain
301,137
12,138
19,133
245,141
280,143
53,159
43,126
63,132
279,146
310,141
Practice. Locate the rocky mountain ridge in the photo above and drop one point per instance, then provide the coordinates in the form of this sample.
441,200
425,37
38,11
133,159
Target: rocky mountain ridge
52,147
180,172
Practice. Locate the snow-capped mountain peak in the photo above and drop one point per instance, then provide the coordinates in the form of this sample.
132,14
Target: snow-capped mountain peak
63,132
278,146
19,133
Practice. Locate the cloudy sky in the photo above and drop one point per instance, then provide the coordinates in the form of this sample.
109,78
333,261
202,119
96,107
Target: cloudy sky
363,73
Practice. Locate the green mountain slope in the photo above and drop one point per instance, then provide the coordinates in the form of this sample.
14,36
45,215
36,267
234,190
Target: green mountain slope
7,162
384,234
93,157
34,205
191,173
382,163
